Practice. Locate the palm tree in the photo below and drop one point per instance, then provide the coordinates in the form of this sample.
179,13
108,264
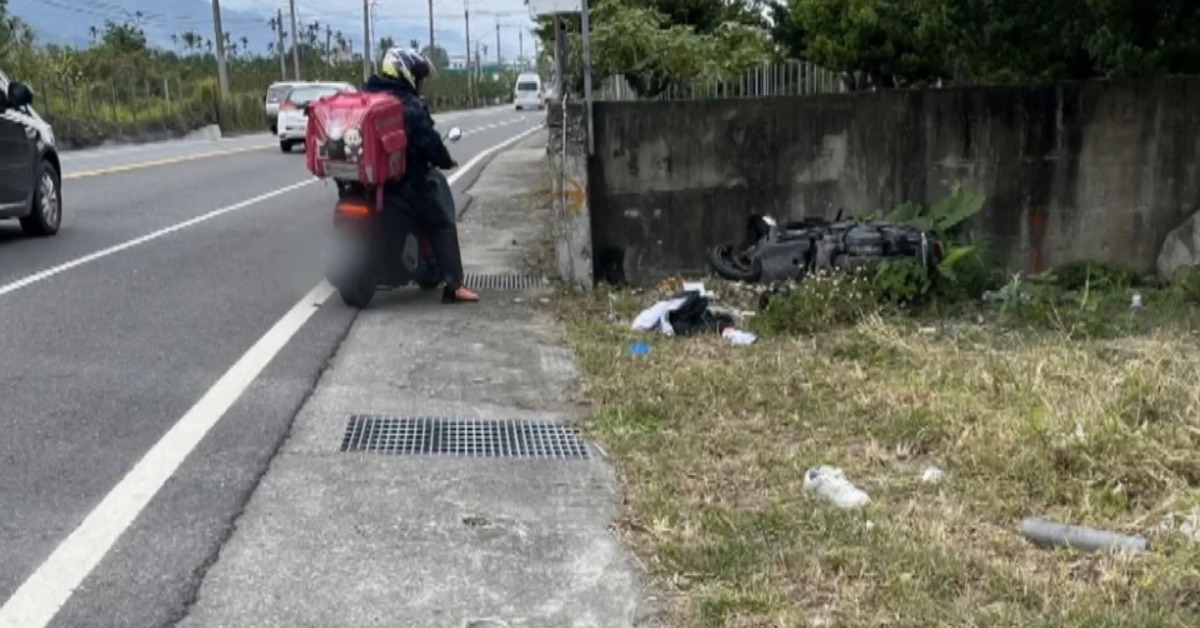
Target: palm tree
191,40
385,44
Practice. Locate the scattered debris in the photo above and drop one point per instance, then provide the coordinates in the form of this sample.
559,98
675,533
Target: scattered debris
739,338
639,348
690,312
932,475
927,330
830,484
1046,533
1136,302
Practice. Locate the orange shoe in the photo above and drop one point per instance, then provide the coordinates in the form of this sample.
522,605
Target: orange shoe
460,295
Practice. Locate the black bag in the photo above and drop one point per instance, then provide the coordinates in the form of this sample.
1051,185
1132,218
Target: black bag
693,316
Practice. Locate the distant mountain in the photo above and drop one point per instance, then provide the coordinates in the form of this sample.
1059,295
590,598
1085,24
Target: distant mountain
70,22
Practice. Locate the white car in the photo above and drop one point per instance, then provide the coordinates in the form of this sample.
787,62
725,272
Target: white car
275,94
527,94
292,120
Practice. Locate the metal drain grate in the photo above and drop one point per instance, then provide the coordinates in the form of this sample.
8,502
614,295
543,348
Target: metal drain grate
477,281
465,438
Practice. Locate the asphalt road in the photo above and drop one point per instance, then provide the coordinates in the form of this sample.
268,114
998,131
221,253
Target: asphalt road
118,325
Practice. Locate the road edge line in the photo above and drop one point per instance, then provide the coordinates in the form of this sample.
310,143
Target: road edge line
43,594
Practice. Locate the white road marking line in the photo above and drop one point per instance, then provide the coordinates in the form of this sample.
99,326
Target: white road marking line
44,593
128,244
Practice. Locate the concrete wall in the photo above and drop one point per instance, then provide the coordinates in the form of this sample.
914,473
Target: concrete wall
1096,170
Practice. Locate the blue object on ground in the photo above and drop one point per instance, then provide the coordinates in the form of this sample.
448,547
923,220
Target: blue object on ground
639,348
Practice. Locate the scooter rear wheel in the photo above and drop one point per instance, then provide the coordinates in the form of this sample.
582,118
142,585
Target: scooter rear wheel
358,293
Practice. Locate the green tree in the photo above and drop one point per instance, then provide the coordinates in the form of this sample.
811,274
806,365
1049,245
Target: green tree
1133,37
15,35
887,43
639,40
791,40
123,39
385,44
437,56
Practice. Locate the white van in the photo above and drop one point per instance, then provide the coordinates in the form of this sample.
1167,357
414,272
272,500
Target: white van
527,94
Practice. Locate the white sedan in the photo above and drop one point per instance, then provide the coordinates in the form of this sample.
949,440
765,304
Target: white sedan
292,120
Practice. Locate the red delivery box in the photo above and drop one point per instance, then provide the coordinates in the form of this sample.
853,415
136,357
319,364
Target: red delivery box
354,136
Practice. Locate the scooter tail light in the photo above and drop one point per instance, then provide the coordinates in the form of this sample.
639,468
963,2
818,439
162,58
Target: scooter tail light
351,209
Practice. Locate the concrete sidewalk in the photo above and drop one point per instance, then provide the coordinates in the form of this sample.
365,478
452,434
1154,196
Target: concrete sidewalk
334,539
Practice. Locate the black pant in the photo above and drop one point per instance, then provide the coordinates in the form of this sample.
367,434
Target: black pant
412,207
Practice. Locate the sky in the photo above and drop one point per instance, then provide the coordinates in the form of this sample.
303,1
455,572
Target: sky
405,15
69,21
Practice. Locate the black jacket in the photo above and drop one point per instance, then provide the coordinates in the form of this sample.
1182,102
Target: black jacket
425,145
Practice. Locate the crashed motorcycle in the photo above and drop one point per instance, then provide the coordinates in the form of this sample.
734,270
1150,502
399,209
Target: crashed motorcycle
362,257
774,252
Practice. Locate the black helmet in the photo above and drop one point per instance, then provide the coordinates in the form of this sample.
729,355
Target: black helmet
407,66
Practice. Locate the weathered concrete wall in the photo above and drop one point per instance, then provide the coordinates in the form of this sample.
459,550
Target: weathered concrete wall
1096,170
567,152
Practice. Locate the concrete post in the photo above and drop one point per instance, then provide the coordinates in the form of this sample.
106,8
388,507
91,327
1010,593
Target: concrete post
568,154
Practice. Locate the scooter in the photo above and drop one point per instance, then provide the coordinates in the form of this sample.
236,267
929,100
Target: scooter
363,258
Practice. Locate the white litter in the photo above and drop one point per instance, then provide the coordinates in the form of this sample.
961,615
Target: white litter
657,317
738,337
830,484
932,475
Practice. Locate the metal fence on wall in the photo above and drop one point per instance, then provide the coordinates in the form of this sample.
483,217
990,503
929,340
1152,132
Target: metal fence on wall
790,78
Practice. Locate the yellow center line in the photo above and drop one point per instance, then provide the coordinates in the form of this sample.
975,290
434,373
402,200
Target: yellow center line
163,162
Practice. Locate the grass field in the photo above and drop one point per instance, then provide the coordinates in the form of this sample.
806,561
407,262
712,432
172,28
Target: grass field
1069,405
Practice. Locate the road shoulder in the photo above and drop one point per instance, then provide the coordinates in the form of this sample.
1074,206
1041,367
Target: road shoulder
365,539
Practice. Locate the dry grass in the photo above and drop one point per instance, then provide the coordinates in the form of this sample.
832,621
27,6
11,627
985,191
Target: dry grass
712,442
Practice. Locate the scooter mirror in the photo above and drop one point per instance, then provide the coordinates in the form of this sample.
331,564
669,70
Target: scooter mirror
455,134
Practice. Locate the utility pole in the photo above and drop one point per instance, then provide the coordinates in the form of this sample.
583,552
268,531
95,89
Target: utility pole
470,70
279,43
431,42
521,49
560,57
295,45
498,61
328,45
222,73
366,38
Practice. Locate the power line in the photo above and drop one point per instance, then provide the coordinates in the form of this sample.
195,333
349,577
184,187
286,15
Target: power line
120,15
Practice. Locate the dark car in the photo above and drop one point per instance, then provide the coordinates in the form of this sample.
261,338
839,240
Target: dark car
30,172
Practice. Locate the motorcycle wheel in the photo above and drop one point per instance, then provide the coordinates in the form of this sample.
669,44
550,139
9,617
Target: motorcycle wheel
358,292
729,261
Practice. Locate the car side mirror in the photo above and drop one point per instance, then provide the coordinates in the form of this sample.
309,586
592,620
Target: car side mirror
455,134
19,95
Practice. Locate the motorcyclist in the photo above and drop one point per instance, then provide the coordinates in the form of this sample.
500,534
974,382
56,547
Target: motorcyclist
413,199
